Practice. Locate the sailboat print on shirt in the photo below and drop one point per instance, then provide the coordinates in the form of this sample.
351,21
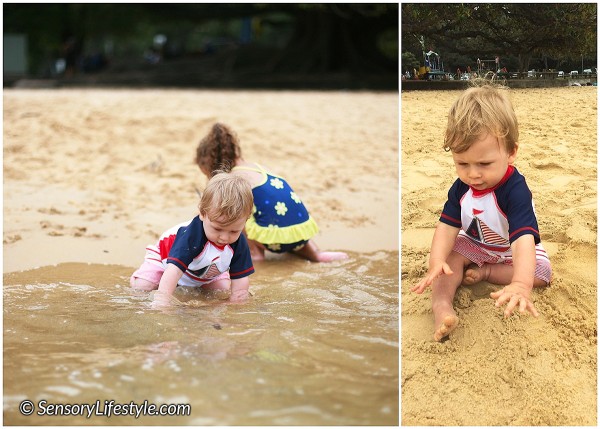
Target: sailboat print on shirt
208,272
211,272
479,231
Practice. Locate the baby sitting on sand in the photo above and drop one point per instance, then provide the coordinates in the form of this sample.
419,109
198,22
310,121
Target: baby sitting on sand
488,224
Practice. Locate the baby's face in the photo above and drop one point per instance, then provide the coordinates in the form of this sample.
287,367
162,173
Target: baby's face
484,164
221,234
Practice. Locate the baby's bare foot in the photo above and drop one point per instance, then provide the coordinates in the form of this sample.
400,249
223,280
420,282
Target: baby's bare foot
445,320
448,324
475,274
331,256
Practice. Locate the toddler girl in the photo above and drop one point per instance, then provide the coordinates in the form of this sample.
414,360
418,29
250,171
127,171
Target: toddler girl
280,222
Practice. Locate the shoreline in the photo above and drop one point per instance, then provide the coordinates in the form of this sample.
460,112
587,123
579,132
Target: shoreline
94,175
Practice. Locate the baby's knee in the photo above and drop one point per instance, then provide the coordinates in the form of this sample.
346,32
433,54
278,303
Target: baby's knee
218,285
142,284
458,259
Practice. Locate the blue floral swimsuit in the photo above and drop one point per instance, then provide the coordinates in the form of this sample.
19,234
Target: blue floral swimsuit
279,220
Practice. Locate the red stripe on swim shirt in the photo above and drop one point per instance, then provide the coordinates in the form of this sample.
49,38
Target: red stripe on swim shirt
451,219
178,261
526,228
242,272
150,249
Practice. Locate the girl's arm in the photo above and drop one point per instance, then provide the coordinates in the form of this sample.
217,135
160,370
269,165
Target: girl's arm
441,246
167,285
239,289
518,292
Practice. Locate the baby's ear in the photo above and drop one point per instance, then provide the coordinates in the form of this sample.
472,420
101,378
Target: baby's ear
513,156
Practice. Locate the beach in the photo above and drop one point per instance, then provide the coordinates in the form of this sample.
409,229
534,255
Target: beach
95,175
91,177
520,370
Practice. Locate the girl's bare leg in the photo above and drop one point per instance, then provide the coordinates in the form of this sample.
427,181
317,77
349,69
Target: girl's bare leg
311,252
443,290
257,250
498,274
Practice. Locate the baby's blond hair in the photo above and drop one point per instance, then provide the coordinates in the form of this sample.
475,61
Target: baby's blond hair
227,197
479,111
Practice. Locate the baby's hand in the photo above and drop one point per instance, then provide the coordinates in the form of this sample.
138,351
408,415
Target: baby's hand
434,271
161,300
515,294
239,297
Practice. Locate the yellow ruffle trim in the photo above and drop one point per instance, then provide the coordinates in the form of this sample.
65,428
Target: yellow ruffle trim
285,235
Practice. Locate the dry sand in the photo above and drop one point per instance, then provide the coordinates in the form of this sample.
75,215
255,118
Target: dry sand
95,175
522,370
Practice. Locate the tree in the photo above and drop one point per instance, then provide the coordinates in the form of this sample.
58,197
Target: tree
339,37
409,61
321,38
511,29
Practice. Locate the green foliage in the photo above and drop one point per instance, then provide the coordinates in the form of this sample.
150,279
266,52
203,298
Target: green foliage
323,37
523,31
409,61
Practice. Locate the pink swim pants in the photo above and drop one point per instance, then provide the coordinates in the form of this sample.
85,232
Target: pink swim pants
479,256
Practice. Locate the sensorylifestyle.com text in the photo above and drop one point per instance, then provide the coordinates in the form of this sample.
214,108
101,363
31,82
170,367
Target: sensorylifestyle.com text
109,408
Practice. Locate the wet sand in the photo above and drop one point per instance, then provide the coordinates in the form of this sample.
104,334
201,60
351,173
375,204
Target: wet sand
520,370
95,175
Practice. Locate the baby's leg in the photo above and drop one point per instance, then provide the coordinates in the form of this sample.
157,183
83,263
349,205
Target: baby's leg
221,283
142,284
218,285
498,274
147,277
442,295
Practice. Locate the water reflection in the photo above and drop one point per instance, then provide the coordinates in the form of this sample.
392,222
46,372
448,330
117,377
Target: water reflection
316,345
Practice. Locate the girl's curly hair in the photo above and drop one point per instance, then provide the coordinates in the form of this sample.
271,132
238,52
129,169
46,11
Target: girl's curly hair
218,150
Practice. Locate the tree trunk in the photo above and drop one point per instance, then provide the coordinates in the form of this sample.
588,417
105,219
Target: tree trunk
524,59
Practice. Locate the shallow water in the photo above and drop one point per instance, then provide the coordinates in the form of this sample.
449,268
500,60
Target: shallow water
316,345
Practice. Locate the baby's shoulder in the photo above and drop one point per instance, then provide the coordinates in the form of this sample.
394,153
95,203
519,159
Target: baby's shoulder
516,183
514,194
